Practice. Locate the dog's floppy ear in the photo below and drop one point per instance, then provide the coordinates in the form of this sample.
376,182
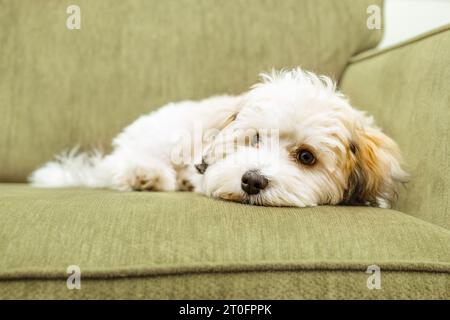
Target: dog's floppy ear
220,123
374,169
228,120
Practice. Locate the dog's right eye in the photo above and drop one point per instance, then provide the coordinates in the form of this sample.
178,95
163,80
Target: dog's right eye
306,157
201,167
255,140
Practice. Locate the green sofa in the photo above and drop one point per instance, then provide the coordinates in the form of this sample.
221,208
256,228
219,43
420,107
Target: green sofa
61,87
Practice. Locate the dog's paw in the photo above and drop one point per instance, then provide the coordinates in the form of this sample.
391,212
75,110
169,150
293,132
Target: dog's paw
143,180
185,185
184,182
146,179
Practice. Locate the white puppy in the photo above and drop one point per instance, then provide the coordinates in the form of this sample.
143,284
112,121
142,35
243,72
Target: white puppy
292,140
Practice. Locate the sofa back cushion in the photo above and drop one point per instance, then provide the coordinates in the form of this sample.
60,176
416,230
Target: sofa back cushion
406,88
60,87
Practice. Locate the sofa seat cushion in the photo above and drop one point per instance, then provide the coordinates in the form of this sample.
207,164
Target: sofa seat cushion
166,245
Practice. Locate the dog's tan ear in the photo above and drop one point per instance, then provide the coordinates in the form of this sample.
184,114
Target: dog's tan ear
228,120
375,169
214,137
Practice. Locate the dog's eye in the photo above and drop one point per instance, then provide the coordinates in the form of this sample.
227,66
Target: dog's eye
201,167
255,139
306,157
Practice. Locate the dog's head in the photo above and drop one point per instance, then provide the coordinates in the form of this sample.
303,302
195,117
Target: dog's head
296,141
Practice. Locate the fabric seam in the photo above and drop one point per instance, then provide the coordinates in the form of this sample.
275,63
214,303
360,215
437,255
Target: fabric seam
376,52
141,272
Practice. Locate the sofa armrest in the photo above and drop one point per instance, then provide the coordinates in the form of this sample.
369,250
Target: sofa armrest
406,89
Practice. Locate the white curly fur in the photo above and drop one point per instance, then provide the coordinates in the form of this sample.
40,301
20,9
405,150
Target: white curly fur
354,161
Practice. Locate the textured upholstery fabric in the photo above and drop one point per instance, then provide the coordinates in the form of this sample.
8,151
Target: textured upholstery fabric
406,88
176,242
300,284
61,87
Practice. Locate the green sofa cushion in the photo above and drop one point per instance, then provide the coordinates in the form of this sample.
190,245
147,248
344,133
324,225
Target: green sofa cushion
61,87
406,88
184,245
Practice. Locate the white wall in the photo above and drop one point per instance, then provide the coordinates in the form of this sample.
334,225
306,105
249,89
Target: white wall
404,19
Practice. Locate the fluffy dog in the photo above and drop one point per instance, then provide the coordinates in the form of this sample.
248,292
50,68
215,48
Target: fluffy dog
291,140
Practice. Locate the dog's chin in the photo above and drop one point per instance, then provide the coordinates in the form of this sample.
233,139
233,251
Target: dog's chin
260,199
232,197
240,197
243,198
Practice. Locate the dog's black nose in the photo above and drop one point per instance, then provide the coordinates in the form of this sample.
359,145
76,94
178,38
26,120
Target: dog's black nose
252,182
